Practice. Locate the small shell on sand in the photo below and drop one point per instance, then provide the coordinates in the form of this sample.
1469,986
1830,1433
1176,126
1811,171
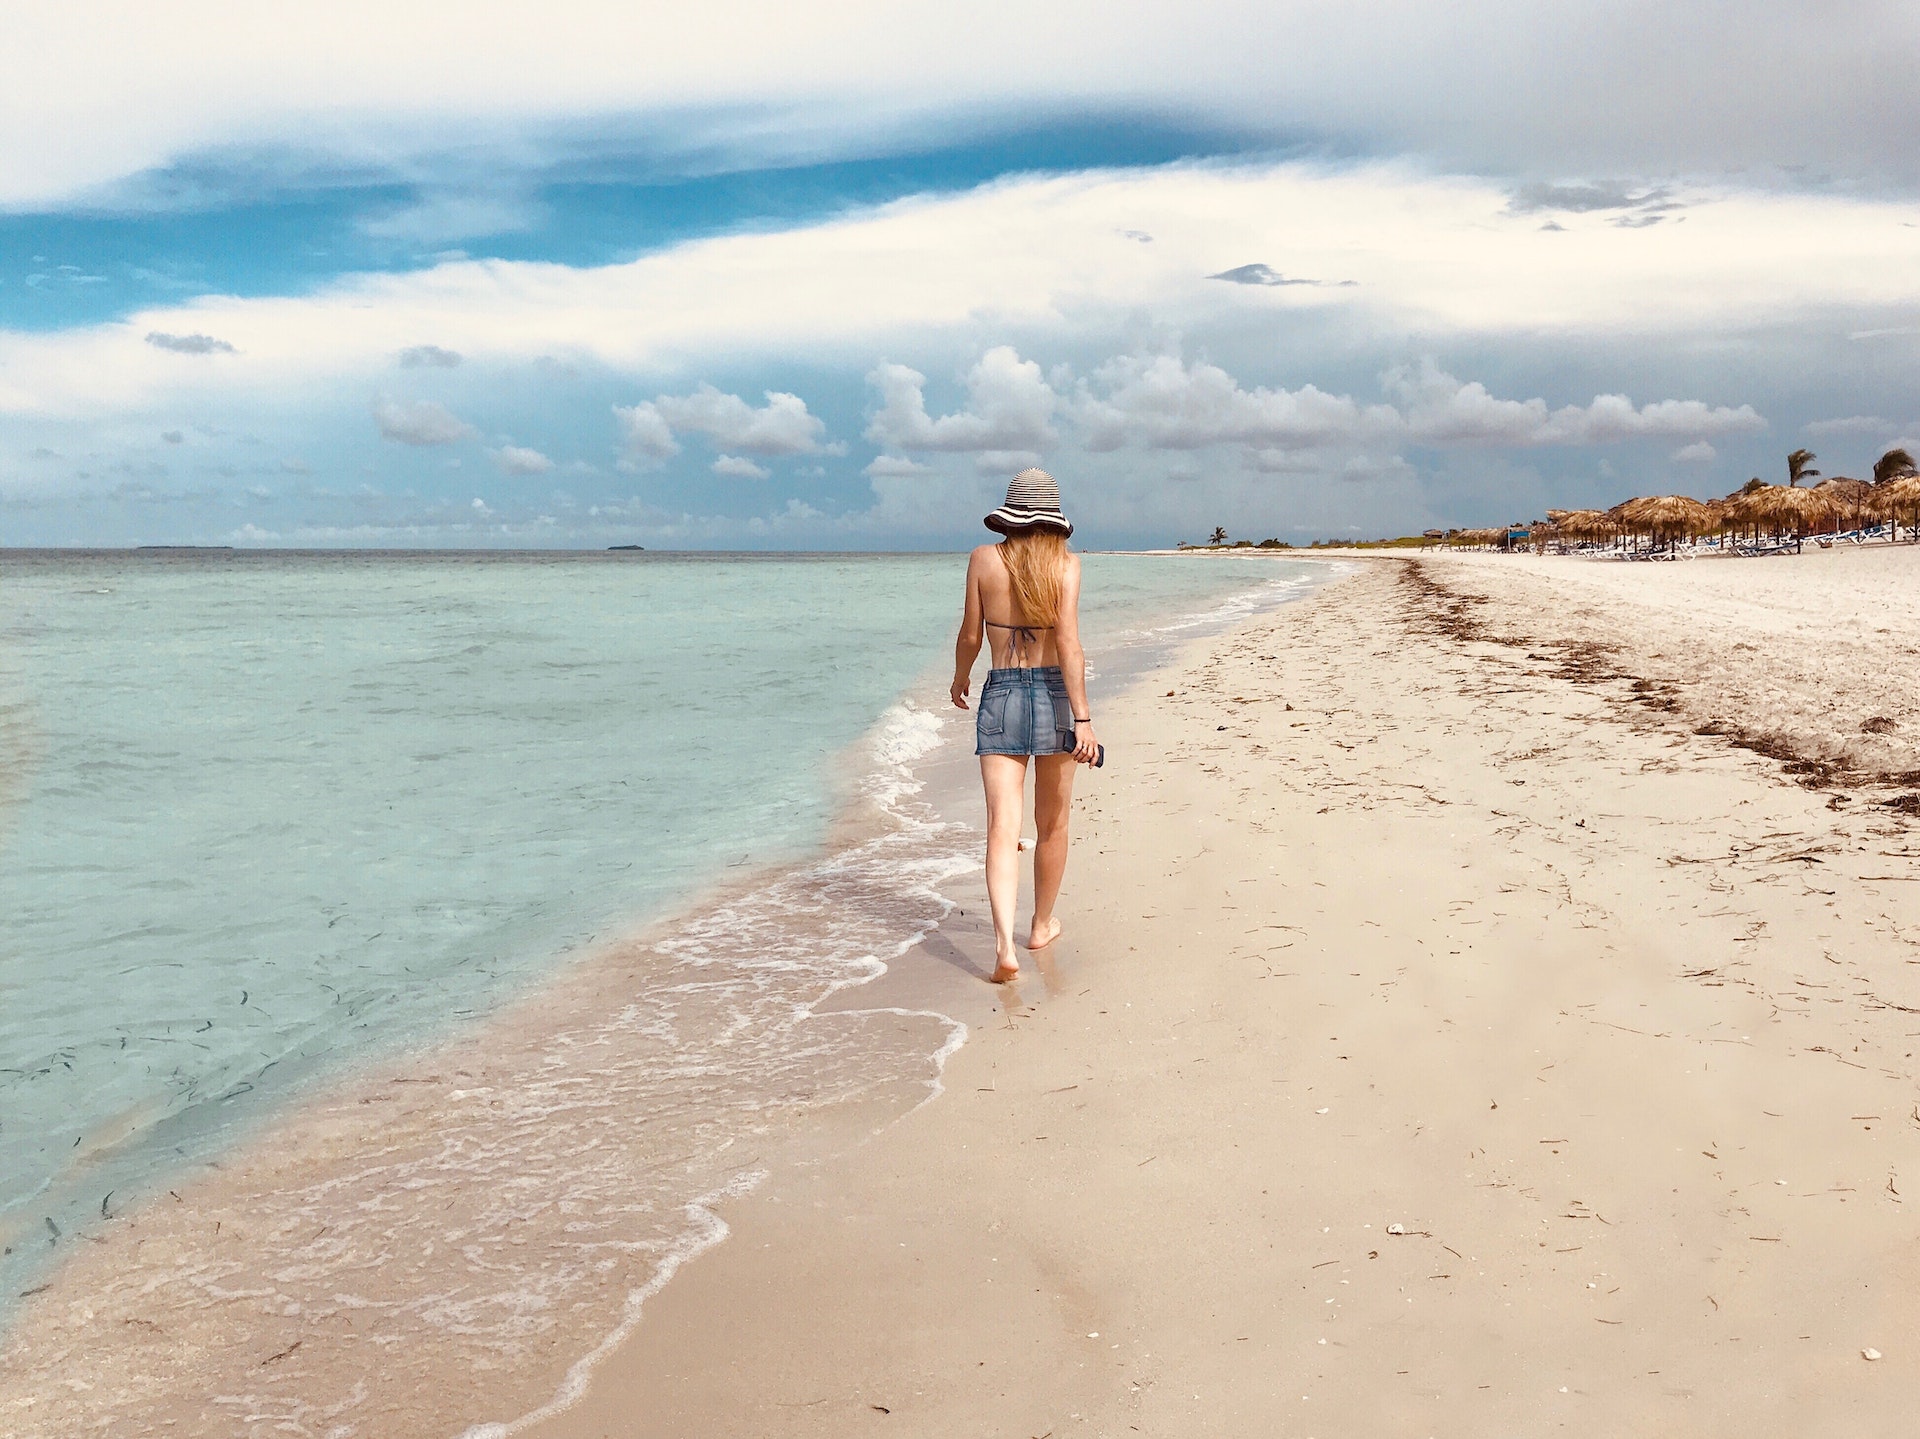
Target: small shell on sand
1869,1354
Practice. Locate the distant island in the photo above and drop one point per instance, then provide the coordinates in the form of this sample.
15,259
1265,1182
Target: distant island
626,547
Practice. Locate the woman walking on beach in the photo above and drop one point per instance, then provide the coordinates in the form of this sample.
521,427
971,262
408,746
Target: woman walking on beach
1023,597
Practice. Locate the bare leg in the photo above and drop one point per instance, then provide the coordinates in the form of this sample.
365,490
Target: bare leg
1005,779
1052,806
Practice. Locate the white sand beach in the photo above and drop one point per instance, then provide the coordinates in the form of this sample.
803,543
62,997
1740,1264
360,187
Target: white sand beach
1441,1044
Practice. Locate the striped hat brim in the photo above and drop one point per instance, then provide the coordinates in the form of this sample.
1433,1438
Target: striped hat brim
1017,519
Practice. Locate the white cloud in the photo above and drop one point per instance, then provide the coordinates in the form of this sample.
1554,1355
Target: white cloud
1004,462
1850,425
1162,403
1009,407
1039,258
439,217
780,427
796,512
1697,453
517,460
1587,87
189,344
1285,462
416,357
1441,410
644,434
890,467
419,422
739,467
481,509
1376,469
1320,465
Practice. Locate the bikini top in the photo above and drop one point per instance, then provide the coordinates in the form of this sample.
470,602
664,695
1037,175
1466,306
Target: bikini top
1023,635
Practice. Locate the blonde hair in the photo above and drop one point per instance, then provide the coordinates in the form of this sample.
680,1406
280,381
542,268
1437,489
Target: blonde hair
1036,564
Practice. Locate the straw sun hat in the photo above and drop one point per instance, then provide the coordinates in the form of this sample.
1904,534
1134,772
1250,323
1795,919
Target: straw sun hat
1033,503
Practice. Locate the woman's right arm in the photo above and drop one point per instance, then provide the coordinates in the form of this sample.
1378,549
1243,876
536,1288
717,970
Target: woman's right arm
966,648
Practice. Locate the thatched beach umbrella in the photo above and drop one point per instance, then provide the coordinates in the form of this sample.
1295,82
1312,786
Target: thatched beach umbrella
1665,517
1852,500
1673,514
1582,524
1787,509
1737,513
1899,499
1754,510
1626,521
1614,522
1745,511
1904,491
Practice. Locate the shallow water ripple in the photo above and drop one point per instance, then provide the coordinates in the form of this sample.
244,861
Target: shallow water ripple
495,1213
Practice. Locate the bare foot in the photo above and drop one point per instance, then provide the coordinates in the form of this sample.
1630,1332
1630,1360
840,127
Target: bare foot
1044,932
1008,968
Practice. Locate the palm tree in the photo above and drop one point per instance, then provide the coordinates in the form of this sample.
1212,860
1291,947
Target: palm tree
1892,465
1219,535
1800,466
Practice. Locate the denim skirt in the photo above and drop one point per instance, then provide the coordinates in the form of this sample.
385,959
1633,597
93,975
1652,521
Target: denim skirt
1024,712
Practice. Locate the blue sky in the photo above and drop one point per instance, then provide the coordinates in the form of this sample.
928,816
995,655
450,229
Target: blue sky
479,276
260,225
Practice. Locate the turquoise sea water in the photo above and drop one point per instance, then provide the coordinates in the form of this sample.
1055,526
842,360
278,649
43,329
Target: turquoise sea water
262,815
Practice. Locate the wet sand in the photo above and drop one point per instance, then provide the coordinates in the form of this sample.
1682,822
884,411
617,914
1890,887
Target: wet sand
1448,1037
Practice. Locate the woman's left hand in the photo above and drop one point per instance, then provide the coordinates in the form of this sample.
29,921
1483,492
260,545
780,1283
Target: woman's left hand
961,684
1086,748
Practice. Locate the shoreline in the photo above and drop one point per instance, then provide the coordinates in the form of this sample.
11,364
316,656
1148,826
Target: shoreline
323,1131
321,1162
1429,1061
898,989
